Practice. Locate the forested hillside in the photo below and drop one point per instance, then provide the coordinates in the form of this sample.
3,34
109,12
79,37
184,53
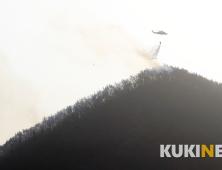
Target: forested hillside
122,126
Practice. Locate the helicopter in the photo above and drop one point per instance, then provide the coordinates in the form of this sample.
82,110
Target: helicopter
157,49
159,32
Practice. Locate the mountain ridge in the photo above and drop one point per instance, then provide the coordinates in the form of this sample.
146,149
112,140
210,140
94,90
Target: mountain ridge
122,126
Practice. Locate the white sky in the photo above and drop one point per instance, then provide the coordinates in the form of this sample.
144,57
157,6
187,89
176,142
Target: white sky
48,48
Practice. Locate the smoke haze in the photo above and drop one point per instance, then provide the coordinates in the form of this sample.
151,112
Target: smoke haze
55,52
19,102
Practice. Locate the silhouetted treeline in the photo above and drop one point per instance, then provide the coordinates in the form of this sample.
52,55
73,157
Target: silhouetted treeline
123,125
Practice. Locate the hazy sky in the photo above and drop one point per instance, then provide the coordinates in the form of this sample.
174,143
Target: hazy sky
53,52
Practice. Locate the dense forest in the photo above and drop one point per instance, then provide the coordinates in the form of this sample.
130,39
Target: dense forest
122,126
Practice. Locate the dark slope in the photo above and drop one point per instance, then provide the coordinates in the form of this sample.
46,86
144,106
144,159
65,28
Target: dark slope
123,126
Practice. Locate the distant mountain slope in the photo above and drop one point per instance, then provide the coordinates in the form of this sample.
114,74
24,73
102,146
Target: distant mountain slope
123,126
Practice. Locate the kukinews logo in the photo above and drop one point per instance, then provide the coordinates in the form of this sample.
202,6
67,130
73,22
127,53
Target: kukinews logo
195,151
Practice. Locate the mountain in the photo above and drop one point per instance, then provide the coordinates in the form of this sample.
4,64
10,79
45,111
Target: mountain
122,127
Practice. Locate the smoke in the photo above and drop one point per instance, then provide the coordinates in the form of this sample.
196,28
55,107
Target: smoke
162,68
111,42
56,52
18,102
